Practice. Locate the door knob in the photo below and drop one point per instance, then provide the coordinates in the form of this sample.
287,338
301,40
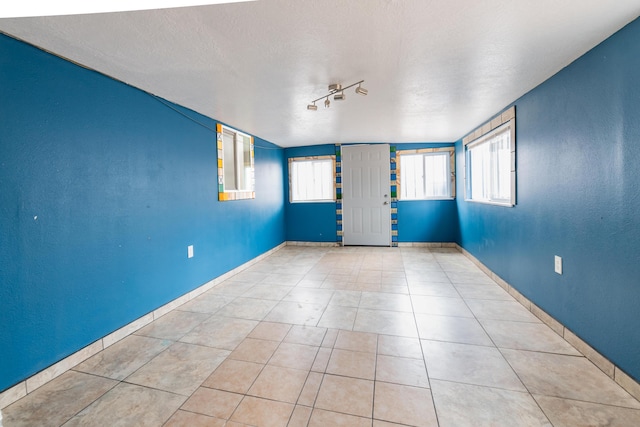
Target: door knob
385,203
386,195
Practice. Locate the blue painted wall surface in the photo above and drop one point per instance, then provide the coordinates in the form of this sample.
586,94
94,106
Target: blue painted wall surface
309,222
102,188
578,151
427,220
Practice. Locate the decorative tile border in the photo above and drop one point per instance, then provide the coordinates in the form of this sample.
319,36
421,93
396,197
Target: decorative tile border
339,230
393,187
600,361
32,383
225,195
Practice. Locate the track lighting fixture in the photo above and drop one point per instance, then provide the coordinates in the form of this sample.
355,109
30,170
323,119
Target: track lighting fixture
337,91
361,91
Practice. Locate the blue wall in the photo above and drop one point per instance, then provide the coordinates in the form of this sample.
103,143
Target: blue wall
102,187
309,222
578,196
427,220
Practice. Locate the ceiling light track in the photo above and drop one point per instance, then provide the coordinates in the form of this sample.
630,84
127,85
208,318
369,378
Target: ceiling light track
337,91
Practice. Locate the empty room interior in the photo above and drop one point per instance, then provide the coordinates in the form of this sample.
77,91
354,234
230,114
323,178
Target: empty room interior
320,213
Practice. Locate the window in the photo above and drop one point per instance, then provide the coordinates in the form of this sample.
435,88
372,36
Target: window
235,164
427,173
490,164
311,179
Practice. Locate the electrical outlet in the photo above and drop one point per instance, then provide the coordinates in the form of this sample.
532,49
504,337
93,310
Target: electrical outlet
558,264
190,251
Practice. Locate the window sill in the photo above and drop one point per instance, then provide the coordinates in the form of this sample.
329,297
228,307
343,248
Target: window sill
488,202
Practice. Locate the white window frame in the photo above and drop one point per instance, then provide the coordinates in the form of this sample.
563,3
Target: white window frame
424,152
312,159
485,138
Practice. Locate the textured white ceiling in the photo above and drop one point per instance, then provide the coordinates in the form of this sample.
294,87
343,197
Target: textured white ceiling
434,69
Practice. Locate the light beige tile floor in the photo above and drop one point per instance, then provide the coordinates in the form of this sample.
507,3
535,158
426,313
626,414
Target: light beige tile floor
311,336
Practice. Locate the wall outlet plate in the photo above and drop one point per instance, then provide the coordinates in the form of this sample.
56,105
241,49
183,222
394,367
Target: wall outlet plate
190,251
558,264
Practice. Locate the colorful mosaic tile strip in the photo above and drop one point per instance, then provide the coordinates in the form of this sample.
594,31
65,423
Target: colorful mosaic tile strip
338,174
394,196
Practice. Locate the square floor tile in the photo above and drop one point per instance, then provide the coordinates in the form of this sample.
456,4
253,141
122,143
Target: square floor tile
57,401
357,341
277,383
270,331
571,413
569,377
354,364
247,308
470,277
485,291
124,357
527,336
257,412
399,346
212,402
469,364
346,298
309,295
220,332
296,312
401,370
297,356
179,369
254,350
464,405
121,406
208,302
234,375
385,301
338,317
346,395
500,310
173,325
385,322
308,335
268,292
433,289
443,306
465,330
404,404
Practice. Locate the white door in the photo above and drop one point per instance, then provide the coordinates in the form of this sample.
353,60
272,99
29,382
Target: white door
366,203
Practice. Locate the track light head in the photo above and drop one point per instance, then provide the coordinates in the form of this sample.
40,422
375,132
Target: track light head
312,107
361,91
335,87
327,102
339,96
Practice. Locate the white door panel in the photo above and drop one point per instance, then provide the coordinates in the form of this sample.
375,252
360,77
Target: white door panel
366,208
